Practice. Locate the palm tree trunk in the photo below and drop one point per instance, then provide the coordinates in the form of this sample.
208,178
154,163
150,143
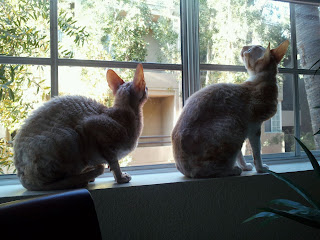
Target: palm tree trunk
308,44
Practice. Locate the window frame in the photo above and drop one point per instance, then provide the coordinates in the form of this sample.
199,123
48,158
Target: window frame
190,64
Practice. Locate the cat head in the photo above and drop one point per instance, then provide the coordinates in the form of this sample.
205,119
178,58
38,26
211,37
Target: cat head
256,58
133,93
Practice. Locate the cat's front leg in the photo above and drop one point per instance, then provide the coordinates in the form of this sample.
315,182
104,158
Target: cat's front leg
255,142
119,176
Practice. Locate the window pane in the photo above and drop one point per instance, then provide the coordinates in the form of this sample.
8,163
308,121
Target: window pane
277,132
143,31
25,28
308,35
309,91
23,89
227,26
160,111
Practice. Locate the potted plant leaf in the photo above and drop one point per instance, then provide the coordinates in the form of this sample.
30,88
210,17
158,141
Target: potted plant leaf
307,215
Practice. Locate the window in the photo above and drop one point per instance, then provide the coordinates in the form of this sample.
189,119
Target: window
226,26
91,37
274,124
59,47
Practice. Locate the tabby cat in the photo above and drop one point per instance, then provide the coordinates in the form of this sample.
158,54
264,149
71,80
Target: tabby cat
67,142
216,120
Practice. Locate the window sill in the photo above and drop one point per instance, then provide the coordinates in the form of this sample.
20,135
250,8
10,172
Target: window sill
10,186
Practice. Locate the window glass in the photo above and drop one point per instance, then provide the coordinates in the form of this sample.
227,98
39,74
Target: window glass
25,28
149,31
226,26
160,112
23,89
309,89
143,31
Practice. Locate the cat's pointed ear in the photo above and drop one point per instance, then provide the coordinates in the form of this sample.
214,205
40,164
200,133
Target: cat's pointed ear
280,51
114,81
266,55
138,80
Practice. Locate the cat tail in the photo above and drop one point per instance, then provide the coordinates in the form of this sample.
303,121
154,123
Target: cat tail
76,181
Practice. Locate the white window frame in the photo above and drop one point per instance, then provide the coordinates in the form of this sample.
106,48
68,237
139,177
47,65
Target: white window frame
276,121
190,64
277,118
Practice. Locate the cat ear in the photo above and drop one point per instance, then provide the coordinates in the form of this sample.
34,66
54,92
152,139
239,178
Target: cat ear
114,81
280,51
138,80
266,55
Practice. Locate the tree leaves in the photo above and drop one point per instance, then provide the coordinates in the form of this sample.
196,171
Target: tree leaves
6,154
25,31
68,25
11,94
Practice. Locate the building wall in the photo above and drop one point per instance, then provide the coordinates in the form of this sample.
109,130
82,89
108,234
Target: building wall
160,114
151,155
152,117
167,114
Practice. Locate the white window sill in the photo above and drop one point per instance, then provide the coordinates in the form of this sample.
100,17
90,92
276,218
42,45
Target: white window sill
10,186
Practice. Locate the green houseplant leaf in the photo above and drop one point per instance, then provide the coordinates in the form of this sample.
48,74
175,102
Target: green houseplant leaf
268,215
299,190
289,204
296,211
300,217
311,157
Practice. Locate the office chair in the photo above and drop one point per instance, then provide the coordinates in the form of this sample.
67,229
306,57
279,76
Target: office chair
69,215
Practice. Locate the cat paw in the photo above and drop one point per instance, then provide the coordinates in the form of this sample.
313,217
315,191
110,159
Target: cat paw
125,178
262,169
247,167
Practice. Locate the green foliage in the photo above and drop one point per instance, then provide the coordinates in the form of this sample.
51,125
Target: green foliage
22,26
67,25
25,31
14,81
295,211
125,161
298,212
311,157
167,38
6,156
127,30
226,26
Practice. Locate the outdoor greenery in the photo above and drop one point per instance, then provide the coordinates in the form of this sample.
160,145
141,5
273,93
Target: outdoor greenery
25,31
120,27
307,215
248,22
